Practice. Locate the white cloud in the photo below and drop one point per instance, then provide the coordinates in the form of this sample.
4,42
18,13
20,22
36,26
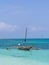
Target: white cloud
36,28
7,27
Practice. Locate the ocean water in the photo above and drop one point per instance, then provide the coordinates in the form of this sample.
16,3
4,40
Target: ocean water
39,43
21,57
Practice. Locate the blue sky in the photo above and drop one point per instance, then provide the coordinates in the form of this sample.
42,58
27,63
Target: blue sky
16,15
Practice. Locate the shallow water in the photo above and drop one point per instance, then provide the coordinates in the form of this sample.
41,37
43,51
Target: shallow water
20,57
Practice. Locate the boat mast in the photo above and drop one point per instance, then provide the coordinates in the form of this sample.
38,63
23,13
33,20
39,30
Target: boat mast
25,36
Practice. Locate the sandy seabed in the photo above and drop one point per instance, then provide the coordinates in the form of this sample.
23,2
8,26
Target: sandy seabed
9,60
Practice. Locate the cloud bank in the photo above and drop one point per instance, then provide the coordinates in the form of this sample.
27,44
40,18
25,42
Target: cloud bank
7,27
37,28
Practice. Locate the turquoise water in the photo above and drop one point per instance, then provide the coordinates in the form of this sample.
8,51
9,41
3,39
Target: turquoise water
36,57
39,43
20,57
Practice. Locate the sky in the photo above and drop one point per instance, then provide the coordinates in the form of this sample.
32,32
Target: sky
16,15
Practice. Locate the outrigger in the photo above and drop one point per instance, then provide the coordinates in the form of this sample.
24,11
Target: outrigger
25,47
